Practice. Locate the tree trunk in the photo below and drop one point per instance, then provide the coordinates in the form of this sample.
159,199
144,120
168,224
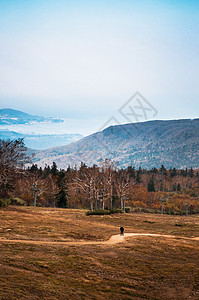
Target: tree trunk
91,204
121,201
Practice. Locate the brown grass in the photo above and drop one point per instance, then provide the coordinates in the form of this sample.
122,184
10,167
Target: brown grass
140,268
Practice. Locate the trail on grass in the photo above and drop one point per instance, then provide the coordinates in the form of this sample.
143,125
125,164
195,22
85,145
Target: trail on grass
114,239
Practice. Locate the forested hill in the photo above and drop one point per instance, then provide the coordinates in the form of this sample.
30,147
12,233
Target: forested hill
10,116
149,144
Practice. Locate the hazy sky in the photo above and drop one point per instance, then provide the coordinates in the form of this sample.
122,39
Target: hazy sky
84,59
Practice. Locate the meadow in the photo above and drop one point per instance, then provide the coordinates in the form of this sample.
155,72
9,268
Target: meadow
60,254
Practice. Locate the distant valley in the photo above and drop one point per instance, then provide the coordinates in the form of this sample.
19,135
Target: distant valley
16,124
41,141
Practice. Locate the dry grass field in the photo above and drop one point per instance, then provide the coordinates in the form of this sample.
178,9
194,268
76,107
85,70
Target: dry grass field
139,267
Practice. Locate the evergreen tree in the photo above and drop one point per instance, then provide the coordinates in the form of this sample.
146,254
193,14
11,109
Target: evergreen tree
138,178
62,200
131,171
46,171
40,171
178,187
34,168
191,172
54,170
62,195
154,170
163,170
140,170
173,172
151,185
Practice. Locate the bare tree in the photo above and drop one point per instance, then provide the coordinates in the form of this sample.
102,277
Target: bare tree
109,167
86,183
12,159
122,187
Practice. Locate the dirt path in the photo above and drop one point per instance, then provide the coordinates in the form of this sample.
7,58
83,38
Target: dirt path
114,239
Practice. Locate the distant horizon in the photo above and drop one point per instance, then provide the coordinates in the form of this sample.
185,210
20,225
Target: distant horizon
60,128
41,115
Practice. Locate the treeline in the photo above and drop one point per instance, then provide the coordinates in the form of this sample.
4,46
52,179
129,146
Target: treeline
97,187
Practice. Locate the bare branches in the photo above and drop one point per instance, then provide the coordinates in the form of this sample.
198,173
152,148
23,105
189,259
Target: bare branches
12,159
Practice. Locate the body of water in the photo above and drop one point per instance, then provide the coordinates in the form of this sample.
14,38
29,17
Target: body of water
69,126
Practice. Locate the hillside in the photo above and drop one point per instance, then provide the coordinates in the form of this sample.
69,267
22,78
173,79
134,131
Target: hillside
10,116
148,144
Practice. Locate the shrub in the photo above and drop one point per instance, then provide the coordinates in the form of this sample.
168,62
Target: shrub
17,201
4,202
115,211
97,212
104,212
127,210
150,222
136,209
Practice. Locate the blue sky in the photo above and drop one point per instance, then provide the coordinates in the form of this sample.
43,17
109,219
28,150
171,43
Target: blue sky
84,59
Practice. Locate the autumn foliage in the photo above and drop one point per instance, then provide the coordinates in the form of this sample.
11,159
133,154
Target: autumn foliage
103,187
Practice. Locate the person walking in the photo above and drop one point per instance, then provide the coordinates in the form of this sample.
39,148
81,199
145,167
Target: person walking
122,230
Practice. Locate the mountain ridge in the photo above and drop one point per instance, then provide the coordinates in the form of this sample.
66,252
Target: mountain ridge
174,143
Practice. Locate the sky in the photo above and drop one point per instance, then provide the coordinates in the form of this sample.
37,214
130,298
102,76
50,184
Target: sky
82,60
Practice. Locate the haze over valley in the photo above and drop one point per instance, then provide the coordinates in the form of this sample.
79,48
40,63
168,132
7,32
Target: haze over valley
38,132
